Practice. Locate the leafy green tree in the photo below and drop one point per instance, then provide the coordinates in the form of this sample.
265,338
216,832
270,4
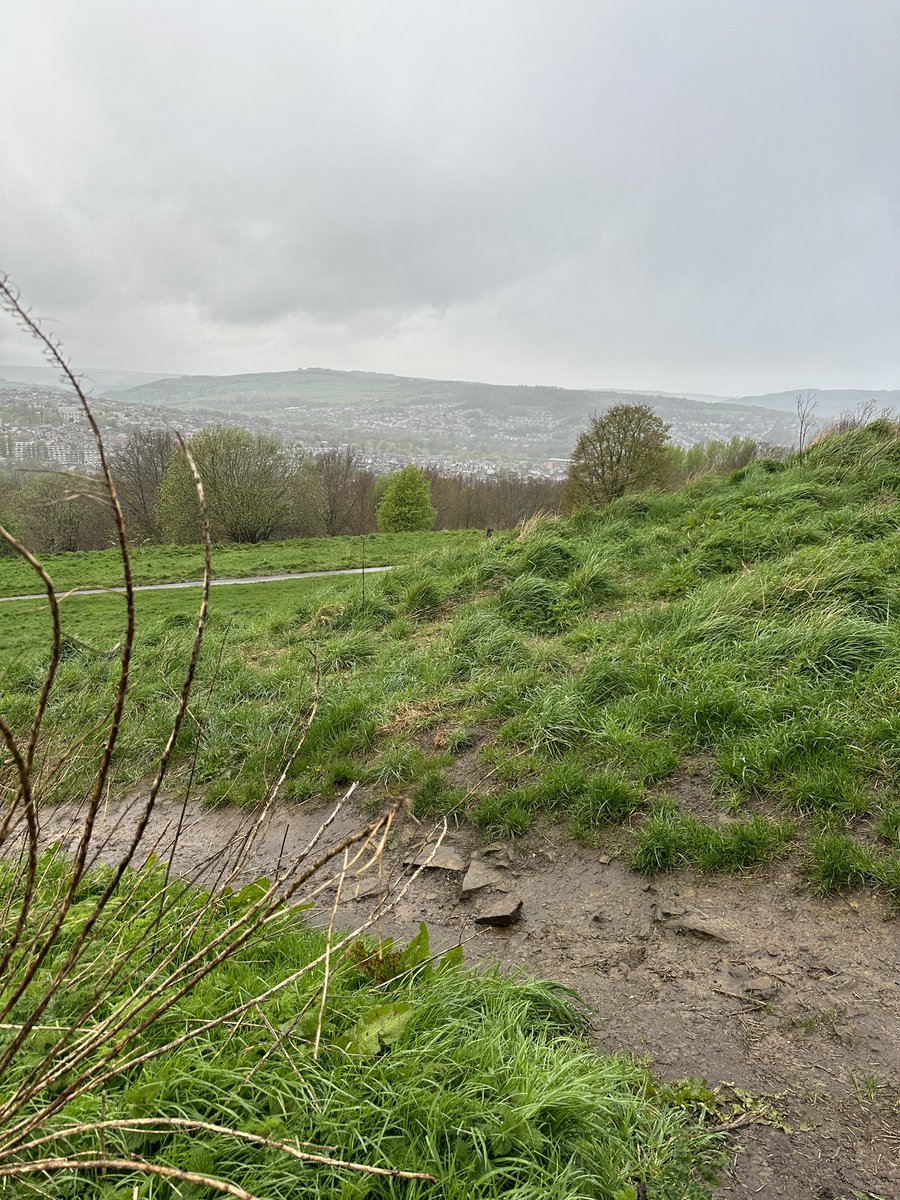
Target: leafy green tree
622,450
406,505
249,481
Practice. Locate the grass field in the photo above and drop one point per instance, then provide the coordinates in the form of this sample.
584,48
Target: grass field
98,621
174,564
741,633
484,1081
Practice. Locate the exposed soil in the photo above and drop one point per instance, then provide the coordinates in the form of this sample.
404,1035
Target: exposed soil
748,980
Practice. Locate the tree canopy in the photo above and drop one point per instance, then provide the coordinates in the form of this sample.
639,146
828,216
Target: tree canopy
254,489
406,504
621,450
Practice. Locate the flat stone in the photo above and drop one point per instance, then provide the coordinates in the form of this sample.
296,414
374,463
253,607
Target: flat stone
478,877
740,971
440,858
763,987
505,910
367,889
694,924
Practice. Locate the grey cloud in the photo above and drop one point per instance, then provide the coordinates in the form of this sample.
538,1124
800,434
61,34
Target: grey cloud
699,195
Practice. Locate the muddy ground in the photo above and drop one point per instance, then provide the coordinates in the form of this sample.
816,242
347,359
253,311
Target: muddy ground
748,981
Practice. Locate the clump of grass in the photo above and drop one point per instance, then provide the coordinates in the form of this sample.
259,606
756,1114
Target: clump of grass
345,651
479,638
607,678
837,861
484,1081
888,825
548,556
422,597
607,799
462,738
553,719
530,602
503,813
398,762
669,838
593,585
434,795
826,643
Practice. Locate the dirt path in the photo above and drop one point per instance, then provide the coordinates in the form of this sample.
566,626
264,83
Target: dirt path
196,583
746,980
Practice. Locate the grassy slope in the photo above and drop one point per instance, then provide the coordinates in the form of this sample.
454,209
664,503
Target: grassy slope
747,625
174,564
482,1079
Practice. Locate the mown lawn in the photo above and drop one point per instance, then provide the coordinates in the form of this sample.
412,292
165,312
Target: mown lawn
98,621
174,564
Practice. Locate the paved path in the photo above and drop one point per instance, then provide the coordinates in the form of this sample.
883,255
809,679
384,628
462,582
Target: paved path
195,583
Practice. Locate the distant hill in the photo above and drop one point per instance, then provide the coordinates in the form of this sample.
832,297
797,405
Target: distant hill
97,379
431,416
830,402
457,420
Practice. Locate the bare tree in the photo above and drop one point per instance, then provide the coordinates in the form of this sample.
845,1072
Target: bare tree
806,407
347,488
248,479
57,512
138,466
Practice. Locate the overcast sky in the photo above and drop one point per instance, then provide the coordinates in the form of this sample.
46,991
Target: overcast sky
698,195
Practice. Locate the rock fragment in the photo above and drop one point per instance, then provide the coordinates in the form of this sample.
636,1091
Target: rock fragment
696,924
368,889
505,910
440,858
763,987
477,878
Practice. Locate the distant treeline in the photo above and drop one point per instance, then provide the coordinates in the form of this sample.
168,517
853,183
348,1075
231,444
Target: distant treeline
259,488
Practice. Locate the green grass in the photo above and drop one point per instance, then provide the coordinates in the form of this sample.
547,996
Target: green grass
564,672
98,621
175,564
483,1079
669,838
